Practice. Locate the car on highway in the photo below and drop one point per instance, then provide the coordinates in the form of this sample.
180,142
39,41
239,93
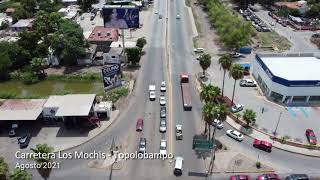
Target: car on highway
178,166
163,87
163,147
152,95
142,145
217,123
155,12
163,125
139,124
178,16
236,108
247,83
297,177
262,144
162,100
240,177
235,135
163,112
268,177
312,139
160,16
24,140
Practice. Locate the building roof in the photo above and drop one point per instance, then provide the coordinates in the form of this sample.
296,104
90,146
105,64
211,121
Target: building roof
100,33
69,1
23,23
53,101
128,44
10,10
294,68
21,109
76,105
290,5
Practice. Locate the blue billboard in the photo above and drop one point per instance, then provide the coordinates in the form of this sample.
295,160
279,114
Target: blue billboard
120,17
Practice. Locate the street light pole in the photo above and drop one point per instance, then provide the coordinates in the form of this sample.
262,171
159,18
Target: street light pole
275,131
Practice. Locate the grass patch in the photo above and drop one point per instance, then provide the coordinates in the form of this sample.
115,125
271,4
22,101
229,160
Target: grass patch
13,95
76,78
195,42
272,39
188,3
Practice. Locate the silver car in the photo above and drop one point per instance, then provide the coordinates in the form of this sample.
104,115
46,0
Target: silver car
235,135
163,125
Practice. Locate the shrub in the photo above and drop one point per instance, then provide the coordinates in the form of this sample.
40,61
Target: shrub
7,95
258,164
115,94
141,42
29,78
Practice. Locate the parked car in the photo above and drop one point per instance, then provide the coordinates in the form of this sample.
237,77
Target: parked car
297,177
163,147
162,100
24,140
152,95
217,123
268,177
155,12
139,124
198,50
162,112
163,125
235,134
178,16
247,83
236,108
262,144
312,139
142,145
240,177
163,87
178,166
237,55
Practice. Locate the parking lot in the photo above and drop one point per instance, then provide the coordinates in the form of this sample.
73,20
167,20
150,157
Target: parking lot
293,120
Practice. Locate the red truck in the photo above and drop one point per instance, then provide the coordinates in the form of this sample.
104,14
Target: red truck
186,98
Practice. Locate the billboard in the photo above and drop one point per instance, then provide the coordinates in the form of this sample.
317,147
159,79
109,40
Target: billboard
111,76
120,17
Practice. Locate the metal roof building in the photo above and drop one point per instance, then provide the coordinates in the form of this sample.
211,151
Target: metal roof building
21,109
289,78
76,105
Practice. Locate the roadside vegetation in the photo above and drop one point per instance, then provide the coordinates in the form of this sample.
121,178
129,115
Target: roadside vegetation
16,174
273,40
233,31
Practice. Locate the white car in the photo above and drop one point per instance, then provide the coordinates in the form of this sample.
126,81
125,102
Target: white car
152,95
198,50
217,123
163,147
235,134
178,16
163,87
156,12
163,125
248,83
236,108
162,100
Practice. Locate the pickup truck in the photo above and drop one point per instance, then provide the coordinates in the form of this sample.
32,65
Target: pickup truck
152,92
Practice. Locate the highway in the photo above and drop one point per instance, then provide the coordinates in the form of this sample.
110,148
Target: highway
154,69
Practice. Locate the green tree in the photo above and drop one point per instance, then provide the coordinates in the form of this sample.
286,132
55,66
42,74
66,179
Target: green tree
236,72
141,42
19,174
4,25
29,41
249,116
29,5
209,93
43,149
38,65
225,62
133,55
5,64
20,13
207,115
46,23
4,169
85,5
220,112
205,62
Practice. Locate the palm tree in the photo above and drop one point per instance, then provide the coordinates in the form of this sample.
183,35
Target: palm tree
236,72
205,62
209,93
19,174
207,114
225,62
38,65
220,112
4,169
249,116
43,149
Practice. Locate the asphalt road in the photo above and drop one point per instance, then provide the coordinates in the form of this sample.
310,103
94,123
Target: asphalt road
123,129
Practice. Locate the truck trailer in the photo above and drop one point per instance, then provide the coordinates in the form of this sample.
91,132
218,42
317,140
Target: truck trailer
185,91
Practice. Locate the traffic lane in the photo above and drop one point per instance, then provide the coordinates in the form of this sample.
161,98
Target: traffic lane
282,161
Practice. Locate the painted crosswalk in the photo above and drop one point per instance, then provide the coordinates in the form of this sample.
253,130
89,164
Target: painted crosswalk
294,110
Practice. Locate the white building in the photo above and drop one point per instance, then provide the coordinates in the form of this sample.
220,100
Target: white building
293,79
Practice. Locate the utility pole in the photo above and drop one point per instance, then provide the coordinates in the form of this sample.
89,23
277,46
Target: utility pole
275,131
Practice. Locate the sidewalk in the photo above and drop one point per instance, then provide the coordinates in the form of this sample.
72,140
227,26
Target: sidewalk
285,147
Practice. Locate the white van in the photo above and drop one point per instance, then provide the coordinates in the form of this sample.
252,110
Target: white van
198,50
178,166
